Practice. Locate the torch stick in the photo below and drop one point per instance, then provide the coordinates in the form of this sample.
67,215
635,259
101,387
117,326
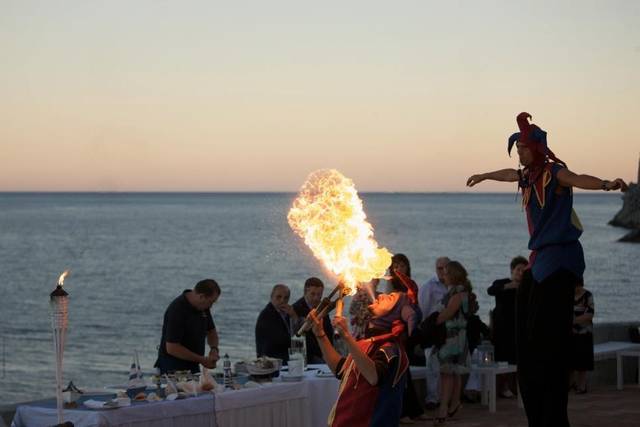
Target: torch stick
59,300
322,309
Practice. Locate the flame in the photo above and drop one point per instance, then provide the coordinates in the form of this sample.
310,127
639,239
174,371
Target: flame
63,276
328,215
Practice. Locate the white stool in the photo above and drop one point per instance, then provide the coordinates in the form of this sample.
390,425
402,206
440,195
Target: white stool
619,357
488,375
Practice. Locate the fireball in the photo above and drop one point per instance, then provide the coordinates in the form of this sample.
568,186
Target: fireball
328,215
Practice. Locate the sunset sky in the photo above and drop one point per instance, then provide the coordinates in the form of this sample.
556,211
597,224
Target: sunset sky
253,96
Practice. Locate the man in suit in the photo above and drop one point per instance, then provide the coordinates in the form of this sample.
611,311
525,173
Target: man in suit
275,325
313,289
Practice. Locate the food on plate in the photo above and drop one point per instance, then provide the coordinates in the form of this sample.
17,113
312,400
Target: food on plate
140,396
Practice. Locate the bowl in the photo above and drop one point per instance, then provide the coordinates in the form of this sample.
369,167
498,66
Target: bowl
134,391
263,366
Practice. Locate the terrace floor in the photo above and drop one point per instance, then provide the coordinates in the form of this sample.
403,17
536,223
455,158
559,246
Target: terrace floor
601,407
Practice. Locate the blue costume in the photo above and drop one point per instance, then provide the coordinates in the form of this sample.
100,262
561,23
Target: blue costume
544,312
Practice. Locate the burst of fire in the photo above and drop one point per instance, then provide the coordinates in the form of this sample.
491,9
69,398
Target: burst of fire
328,215
63,276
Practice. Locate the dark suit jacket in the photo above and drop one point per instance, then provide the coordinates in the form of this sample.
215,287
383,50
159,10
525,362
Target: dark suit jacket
314,354
272,334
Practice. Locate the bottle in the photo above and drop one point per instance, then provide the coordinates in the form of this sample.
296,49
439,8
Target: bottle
226,371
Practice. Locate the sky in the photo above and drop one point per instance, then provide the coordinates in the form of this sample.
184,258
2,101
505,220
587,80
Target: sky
254,96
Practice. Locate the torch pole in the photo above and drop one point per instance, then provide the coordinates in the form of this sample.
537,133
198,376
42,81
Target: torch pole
59,300
58,343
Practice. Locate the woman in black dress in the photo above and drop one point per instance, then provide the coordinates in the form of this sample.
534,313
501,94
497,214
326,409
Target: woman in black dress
582,358
504,319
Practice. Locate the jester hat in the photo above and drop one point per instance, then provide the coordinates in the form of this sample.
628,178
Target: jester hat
534,138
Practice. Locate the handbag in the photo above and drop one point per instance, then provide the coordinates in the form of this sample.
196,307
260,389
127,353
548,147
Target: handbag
430,333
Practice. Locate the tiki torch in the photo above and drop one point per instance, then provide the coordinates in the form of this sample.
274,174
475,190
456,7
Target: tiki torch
59,320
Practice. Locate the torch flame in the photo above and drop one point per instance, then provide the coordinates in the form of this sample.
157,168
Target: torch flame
328,215
63,276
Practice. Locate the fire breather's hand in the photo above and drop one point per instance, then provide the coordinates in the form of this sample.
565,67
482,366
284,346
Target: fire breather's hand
474,179
316,324
340,323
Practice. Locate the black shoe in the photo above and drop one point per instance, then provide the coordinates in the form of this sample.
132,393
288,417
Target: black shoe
452,413
431,406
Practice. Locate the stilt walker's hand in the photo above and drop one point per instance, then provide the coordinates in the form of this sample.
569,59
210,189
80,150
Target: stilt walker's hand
475,179
617,184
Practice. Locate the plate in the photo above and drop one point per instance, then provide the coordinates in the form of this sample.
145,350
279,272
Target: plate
291,378
100,404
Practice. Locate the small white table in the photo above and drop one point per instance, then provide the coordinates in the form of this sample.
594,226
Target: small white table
488,377
620,355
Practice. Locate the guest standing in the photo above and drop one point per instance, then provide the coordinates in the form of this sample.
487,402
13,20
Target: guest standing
400,271
429,298
582,356
453,355
504,320
275,324
359,308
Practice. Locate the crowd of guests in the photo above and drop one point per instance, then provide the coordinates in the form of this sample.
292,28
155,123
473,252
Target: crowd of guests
386,331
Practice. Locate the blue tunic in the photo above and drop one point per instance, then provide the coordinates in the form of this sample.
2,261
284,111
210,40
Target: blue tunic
554,227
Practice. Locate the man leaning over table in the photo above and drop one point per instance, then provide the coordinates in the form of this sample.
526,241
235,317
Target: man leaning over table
187,322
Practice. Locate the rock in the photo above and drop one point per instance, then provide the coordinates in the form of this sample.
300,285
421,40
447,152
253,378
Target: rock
631,237
629,215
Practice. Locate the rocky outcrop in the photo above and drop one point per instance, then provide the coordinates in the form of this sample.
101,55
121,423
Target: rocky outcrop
629,215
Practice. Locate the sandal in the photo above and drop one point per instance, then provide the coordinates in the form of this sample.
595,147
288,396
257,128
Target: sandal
452,413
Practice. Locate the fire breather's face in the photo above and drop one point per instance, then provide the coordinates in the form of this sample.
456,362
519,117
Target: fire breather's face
384,303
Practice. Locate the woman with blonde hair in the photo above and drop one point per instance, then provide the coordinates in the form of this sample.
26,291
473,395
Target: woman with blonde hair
453,355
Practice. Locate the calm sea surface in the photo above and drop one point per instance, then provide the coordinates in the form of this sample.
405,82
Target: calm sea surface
131,254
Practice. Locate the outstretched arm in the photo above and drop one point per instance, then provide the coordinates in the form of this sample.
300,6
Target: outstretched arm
588,182
505,175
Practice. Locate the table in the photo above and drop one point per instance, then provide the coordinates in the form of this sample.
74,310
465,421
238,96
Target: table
306,403
196,411
619,357
488,378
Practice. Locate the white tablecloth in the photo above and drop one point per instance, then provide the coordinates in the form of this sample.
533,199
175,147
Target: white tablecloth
306,403
195,411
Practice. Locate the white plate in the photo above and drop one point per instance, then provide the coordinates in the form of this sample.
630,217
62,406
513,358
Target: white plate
290,378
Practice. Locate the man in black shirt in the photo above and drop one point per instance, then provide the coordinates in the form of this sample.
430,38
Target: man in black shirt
313,289
187,322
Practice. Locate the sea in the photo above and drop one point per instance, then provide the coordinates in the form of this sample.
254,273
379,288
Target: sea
131,254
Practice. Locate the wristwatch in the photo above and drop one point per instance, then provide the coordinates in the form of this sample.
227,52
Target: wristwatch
604,185
213,347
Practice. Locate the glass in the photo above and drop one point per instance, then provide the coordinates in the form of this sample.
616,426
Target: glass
296,363
299,345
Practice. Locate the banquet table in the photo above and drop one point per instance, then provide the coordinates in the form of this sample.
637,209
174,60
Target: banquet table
304,403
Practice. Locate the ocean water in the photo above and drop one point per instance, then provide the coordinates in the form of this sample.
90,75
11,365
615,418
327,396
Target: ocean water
131,254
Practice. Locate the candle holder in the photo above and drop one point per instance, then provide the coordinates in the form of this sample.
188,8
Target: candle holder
486,354
59,300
